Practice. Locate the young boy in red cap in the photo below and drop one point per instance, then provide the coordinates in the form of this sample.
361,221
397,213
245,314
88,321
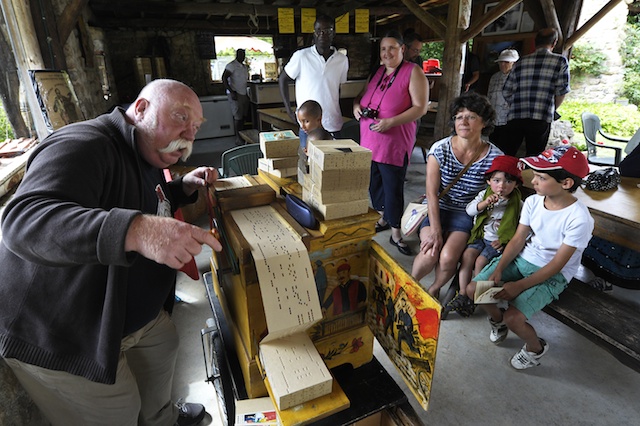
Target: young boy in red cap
496,210
545,252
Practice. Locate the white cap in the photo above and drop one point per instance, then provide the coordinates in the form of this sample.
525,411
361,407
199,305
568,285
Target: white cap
508,55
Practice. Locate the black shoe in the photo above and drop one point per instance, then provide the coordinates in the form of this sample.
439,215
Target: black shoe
380,228
189,414
461,304
404,249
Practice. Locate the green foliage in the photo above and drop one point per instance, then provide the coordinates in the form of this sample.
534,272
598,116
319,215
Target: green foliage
6,131
434,49
587,60
618,120
231,52
630,52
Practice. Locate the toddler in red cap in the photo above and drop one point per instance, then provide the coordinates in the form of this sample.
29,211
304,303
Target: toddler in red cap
496,210
544,253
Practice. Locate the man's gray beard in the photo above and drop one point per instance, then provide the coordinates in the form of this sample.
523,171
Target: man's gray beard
177,144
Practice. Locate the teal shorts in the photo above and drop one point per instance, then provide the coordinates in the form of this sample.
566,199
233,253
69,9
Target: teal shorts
534,298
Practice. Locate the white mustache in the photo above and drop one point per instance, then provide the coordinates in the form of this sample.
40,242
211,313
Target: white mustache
178,144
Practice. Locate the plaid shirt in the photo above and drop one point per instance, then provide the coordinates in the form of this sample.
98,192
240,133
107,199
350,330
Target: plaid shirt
534,82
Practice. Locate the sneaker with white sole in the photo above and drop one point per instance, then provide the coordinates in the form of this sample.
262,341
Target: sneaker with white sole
525,359
499,331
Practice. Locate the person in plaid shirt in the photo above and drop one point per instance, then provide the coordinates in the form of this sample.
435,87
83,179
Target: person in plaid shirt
534,90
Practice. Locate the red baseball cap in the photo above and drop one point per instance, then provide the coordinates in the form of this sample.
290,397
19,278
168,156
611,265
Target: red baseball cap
565,157
506,164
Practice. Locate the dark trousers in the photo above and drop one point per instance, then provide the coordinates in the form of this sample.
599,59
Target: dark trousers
501,138
534,132
386,189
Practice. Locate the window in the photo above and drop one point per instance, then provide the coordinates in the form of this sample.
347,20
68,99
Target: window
259,55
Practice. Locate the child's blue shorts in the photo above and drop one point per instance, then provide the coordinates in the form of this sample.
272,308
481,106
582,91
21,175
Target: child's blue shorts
485,248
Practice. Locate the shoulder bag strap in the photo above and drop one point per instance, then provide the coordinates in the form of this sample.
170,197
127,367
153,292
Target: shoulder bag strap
459,175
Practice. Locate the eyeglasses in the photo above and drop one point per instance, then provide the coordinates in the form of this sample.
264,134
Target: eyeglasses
414,50
323,31
468,117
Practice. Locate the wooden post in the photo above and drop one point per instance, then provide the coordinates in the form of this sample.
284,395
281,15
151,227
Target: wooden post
458,19
10,87
27,53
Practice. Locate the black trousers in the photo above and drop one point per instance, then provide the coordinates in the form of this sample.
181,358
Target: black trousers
535,134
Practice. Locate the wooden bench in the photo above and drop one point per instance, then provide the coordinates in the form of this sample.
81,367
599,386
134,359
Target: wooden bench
424,139
610,322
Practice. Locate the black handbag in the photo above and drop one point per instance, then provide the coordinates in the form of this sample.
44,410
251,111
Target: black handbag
602,180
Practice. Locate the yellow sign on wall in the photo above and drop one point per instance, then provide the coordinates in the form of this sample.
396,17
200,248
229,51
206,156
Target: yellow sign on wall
285,20
342,24
362,20
307,18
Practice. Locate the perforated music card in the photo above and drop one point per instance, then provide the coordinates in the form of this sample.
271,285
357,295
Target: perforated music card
288,288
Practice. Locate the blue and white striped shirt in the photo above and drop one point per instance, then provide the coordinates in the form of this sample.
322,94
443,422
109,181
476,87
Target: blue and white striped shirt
472,182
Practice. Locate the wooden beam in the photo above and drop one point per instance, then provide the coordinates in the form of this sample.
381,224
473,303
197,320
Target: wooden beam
551,16
68,18
219,9
590,23
25,47
44,21
434,23
458,17
10,86
571,15
487,19
220,28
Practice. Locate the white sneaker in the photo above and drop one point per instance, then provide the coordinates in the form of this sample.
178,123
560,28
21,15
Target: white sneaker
525,359
499,331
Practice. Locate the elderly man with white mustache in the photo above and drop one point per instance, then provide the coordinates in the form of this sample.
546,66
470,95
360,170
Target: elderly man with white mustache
88,267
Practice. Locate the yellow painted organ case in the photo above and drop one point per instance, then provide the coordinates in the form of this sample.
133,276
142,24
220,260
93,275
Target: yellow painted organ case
362,290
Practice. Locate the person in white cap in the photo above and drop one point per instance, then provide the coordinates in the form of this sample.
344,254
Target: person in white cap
500,135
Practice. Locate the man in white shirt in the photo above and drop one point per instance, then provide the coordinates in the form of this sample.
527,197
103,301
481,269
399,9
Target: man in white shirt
318,71
234,80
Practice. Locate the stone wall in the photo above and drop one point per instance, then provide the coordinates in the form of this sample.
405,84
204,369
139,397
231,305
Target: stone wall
607,35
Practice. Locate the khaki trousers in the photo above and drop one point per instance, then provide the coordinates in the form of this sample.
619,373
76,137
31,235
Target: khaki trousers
141,394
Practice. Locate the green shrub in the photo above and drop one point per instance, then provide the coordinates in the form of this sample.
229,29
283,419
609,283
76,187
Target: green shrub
434,49
630,52
6,131
618,120
587,60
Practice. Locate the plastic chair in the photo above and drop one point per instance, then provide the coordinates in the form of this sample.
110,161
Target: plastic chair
591,128
240,160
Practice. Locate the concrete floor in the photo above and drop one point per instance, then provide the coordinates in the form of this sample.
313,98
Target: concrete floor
578,383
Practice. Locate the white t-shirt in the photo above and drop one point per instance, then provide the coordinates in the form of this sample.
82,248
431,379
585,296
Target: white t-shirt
572,226
239,75
319,80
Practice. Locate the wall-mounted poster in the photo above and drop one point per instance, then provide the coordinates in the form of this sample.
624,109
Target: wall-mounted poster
57,99
362,21
285,20
307,19
342,24
508,23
